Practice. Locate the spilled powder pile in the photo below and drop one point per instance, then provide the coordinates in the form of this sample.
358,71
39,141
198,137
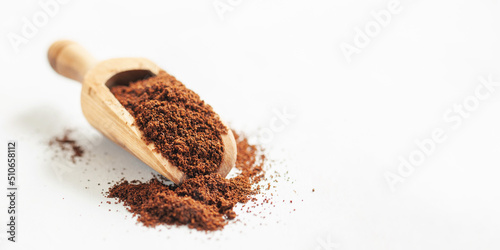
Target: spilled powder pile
204,202
66,144
182,127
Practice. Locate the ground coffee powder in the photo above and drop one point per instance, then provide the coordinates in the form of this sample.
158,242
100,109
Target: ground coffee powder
65,143
188,133
183,128
204,202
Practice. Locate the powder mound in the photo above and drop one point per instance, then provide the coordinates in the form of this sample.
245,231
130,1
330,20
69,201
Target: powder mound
216,191
183,128
203,202
156,204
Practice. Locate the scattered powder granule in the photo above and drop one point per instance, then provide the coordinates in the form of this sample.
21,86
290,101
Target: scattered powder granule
67,144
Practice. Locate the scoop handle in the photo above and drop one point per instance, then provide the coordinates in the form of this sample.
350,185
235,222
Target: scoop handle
70,59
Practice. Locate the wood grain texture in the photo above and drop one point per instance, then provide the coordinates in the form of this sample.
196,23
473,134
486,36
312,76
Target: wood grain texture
70,59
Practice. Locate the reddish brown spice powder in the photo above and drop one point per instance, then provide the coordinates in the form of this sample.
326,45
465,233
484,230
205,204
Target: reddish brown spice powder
65,143
183,128
188,133
204,202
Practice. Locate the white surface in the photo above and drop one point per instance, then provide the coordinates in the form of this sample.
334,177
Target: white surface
353,120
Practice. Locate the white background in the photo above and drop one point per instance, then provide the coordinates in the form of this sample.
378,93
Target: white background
353,121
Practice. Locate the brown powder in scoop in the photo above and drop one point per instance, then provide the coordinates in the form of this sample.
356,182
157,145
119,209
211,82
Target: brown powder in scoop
183,128
204,202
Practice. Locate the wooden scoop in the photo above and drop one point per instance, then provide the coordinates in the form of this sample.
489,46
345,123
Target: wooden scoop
106,114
